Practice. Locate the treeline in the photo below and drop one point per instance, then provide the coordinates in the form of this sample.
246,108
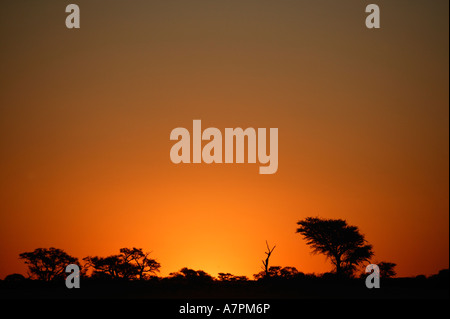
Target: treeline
49,264
133,273
343,245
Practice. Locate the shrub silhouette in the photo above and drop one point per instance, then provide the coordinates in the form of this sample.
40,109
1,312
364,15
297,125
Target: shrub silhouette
14,278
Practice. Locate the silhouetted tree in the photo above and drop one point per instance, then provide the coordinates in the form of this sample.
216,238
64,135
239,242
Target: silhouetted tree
337,240
266,262
111,267
387,269
278,272
229,277
191,275
131,263
47,263
145,266
224,276
289,272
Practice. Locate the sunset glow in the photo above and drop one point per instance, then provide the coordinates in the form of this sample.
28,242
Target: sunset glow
362,118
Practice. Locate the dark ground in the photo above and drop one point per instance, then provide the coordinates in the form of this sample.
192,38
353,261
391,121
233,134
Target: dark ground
162,298
306,288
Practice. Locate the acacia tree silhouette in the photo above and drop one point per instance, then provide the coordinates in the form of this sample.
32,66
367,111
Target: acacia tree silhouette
47,263
131,263
111,267
342,243
143,264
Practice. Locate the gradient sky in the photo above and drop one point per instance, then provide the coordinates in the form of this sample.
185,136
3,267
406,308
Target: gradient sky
85,119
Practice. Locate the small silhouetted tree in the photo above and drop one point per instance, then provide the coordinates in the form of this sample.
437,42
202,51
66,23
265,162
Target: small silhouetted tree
143,264
229,277
278,272
342,243
47,263
288,272
224,276
191,275
387,269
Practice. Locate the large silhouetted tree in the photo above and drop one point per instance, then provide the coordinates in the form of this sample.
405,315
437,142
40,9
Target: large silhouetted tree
47,263
342,243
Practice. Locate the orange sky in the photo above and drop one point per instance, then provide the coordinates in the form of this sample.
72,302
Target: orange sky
85,119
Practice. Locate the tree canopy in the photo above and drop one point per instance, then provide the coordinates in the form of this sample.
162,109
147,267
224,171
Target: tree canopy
47,263
342,243
131,263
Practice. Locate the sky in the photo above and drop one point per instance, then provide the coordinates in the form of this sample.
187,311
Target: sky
86,115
